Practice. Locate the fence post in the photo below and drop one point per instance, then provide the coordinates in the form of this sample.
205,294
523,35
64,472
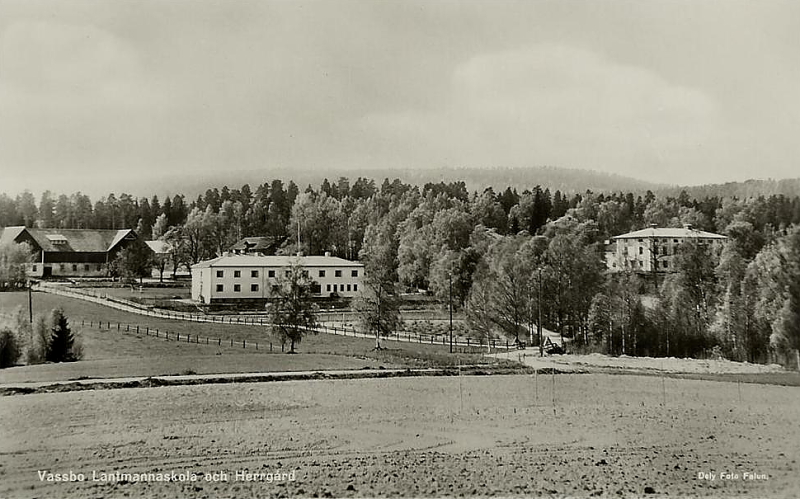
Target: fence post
137,329
270,346
231,341
117,326
177,336
219,341
243,343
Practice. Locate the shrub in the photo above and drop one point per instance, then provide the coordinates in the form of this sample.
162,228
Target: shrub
39,348
9,348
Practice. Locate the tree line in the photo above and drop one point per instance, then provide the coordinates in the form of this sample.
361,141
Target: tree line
506,257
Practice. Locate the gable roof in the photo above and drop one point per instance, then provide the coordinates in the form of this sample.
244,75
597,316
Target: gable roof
276,261
10,234
70,240
260,243
670,232
158,246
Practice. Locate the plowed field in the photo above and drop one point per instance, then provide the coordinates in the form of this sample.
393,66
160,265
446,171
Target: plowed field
577,435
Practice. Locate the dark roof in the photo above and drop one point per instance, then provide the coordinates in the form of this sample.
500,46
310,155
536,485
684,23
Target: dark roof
76,240
256,244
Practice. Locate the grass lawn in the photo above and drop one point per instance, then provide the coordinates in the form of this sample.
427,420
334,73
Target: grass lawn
113,353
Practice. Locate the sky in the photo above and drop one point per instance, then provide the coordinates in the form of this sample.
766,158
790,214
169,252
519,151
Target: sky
100,93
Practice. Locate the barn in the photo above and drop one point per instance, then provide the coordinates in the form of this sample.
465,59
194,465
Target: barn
69,252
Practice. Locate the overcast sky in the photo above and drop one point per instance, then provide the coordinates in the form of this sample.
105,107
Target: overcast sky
681,92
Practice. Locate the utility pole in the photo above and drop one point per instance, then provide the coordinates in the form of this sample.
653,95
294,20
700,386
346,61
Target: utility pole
450,300
539,307
30,302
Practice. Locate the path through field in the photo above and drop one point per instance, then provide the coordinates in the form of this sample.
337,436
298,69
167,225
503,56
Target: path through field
575,434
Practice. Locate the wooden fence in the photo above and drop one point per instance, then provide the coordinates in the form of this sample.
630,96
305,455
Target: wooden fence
461,346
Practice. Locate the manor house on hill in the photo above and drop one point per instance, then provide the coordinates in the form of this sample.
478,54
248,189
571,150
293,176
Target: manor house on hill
653,248
233,278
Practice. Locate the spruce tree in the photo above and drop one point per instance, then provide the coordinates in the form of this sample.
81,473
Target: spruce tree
61,340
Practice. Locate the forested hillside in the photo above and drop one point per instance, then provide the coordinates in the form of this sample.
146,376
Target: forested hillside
510,253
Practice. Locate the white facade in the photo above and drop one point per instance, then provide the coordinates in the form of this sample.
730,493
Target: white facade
239,277
652,249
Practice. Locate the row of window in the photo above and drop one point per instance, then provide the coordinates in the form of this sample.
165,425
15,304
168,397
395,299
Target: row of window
271,273
237,288
61,266
636,263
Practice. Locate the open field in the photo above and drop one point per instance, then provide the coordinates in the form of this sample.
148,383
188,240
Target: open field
112,353
501,435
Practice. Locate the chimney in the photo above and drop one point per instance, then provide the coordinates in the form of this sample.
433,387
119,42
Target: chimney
687,226
328,253
653,226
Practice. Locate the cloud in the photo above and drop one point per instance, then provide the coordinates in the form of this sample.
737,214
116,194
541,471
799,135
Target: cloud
558,105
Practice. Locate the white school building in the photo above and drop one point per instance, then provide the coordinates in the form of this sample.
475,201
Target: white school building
232,278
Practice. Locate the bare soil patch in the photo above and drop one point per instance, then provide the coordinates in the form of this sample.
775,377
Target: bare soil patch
576,435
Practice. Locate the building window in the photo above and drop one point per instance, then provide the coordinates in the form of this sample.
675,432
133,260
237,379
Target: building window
287,273
322,273
34,268
237,288
74,268
355,287
338,273
665,264
220,273
334,288
271,273
353,273
641,250
237,273
254,288
254,273
328,288
220,288
86,267
348,287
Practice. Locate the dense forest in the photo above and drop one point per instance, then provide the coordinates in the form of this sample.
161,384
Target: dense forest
509,255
